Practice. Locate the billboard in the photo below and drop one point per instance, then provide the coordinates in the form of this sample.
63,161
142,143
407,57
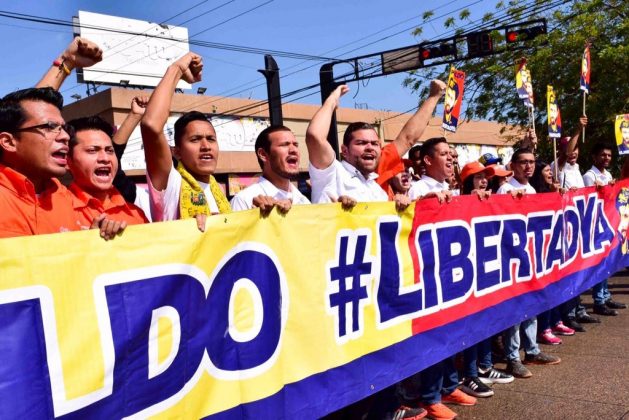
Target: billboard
135,52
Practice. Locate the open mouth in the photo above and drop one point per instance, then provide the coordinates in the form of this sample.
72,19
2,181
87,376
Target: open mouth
206,158
60,156
292,160
369,157
103,172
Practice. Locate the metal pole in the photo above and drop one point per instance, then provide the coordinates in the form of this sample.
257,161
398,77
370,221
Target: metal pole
272,75
326,80
583,132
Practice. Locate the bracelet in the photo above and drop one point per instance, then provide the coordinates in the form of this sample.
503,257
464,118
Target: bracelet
61,65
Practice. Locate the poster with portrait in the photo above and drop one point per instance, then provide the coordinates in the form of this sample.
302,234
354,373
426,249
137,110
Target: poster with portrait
524,84
585,70
622,133
554,115
453,99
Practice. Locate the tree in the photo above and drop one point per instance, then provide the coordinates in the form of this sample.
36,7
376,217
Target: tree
553,59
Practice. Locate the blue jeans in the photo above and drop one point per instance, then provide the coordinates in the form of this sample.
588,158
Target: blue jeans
477,355
574,308
548,319
438,379
600,293
512,339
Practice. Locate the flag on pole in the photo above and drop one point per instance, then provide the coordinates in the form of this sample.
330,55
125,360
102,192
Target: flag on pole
554,115
585,70
453,99
524,84
622,133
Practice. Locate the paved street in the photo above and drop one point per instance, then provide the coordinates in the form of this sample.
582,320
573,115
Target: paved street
592,381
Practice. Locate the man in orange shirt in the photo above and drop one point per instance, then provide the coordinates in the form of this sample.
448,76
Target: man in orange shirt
93,164
33,146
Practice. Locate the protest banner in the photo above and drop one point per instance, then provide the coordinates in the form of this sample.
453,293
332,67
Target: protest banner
453,99
621,130
290,315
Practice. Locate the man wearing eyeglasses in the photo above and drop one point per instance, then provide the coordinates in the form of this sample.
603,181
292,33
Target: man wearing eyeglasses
523,166
34,147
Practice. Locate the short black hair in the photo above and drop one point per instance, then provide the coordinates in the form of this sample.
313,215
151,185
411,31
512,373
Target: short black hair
599,147
88,123
263,142
415,149
184,120
428,148
12,114
355,126
522,151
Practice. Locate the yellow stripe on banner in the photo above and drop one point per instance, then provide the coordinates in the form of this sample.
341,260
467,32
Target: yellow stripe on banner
303,242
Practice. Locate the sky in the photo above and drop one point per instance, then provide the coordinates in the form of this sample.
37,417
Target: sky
326,28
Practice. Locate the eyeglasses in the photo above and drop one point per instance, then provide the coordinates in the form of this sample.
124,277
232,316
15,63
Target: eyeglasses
49,127
526,162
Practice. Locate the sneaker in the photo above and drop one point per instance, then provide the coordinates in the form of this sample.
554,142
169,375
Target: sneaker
615,305
439,411
604,310
493,376
517,369
541,359
458,397
588,319
476,388
409,413
547,337
561,329
573,324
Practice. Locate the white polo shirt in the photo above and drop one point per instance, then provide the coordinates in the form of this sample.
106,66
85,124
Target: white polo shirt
593,175
244,199
427,185
341,178
513,184
165,204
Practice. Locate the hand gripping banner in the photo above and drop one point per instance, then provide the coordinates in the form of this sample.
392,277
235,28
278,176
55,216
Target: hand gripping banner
286,316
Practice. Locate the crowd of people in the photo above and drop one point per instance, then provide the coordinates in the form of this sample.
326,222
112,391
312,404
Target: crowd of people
38,147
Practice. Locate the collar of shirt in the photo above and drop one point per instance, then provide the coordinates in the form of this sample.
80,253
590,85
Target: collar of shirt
517,184
272,191
22,186
356,173
434,185
598,173
81,198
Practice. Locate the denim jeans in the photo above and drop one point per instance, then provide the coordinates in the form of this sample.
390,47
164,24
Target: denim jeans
574,308
600,293
512,339
548,319
438,379
477,355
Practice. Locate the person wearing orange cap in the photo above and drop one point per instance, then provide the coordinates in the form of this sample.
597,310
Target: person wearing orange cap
478,370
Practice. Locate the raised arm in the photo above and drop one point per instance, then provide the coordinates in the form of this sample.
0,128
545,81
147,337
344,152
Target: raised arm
79,53
416,125
583,122
320,151
156,149
138,106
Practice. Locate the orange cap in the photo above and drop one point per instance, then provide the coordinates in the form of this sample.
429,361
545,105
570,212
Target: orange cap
495,170
473,168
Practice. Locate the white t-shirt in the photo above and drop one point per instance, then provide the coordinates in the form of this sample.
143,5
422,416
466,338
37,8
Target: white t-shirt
341,178
593,175
513,184
143,201
244,199
426,185
569,176
165,204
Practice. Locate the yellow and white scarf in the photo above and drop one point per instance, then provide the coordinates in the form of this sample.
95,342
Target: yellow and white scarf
192,200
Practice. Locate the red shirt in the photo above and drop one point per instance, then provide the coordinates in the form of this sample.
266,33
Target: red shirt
389,165
87,208
23,212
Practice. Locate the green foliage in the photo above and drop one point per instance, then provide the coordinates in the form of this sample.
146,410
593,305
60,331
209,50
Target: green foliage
553,59
428,14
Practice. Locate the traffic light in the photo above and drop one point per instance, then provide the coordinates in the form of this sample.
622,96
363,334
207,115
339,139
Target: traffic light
479,44
524,34
437,51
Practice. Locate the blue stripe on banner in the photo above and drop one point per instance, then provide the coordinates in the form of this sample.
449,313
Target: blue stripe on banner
346,384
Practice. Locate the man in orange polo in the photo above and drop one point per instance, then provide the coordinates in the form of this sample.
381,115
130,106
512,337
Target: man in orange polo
33,150
93,164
